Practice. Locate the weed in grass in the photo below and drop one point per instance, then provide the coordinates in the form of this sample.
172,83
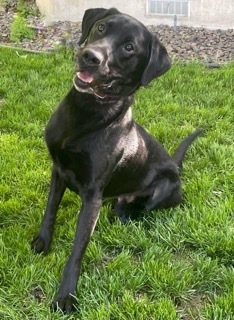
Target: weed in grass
172,264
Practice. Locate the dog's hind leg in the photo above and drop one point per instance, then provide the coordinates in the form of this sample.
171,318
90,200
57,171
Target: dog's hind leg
41,243
165,194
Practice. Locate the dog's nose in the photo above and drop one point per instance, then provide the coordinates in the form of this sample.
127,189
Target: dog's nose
91,57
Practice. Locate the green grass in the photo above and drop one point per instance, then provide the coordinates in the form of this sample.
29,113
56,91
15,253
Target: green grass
173,264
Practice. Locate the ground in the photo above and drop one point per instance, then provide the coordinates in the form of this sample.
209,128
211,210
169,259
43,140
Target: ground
211,46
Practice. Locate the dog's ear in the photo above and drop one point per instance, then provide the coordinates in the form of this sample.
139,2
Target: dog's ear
90,17
159,62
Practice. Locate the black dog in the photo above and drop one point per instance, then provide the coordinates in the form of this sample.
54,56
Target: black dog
98,150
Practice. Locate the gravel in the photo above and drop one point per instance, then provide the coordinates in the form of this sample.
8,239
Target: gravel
213,47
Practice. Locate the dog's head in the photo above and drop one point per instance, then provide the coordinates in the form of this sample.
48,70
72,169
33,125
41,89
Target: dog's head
118,54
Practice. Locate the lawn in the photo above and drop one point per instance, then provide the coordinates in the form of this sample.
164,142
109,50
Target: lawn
171,264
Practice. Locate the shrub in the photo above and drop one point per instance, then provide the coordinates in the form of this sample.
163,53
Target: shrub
26,8
19,30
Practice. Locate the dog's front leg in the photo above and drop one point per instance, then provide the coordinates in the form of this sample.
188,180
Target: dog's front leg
65,298
41,243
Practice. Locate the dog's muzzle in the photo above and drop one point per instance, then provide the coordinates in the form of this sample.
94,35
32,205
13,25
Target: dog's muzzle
84,82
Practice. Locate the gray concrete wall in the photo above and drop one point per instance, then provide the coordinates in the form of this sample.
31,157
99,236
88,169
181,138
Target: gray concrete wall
213,14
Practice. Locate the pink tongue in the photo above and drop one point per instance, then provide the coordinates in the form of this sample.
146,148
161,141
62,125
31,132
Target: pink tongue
85,76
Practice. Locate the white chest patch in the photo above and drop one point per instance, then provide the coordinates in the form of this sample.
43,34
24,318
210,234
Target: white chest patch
130,144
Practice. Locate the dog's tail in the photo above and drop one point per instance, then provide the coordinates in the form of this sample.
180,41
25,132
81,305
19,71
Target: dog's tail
179,154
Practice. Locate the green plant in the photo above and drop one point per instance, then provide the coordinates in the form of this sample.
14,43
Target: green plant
26,8
19,30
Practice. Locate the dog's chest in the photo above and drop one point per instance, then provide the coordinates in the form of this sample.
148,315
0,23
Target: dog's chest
128,146
84,159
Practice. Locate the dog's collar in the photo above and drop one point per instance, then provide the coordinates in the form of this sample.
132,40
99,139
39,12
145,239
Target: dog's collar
101,98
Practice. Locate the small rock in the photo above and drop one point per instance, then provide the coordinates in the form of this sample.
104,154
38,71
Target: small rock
213,65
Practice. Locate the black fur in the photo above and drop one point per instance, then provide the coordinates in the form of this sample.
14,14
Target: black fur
97,149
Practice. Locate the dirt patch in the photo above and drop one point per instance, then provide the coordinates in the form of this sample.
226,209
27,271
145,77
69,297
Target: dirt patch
190,309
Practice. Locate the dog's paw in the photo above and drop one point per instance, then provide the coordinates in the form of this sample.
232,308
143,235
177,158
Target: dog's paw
40,244
124,219
66,304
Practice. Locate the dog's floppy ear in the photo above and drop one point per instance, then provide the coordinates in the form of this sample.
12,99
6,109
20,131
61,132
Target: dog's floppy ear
159,62
91,16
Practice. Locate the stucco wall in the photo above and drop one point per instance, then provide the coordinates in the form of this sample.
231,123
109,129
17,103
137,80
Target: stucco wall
214,14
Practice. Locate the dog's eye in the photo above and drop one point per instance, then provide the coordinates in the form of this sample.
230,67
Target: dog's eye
101,27
129,47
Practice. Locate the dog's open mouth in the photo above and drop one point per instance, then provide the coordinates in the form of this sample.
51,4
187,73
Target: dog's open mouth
85,77
86,82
